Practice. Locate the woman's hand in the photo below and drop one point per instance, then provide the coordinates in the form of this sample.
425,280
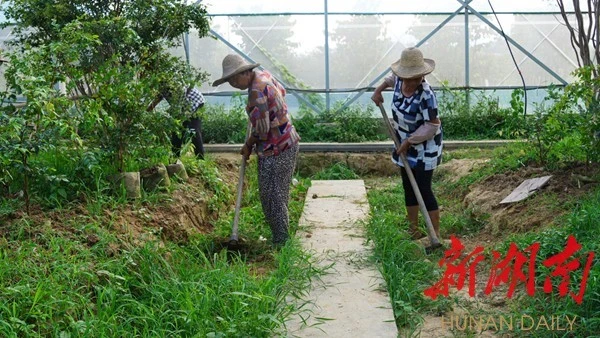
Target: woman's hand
246,151
403,148
377,98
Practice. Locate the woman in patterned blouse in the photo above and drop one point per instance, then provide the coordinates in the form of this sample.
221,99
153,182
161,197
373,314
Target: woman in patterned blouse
415,113
273,137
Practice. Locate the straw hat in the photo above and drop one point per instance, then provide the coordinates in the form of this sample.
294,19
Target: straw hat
233,64
412,64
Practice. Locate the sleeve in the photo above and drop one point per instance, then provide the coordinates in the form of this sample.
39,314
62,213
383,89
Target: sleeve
429,106
195,98
390,80
425,132
259,112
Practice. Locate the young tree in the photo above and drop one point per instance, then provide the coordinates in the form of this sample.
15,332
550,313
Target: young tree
113,55
35,127
584,31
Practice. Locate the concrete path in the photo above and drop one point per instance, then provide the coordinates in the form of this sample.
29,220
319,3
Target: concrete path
349,300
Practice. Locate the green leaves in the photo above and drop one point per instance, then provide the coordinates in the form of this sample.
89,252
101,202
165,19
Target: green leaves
48,19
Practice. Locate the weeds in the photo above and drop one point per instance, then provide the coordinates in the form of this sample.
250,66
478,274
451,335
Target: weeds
583,225
84,281
401,258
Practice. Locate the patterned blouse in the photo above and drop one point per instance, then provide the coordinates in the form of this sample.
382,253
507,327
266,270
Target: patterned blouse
409,114
268,113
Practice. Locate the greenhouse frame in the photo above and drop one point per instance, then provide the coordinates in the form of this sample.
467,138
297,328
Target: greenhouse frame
338,51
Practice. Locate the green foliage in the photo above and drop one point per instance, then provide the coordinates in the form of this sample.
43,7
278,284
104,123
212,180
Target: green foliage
143,291
114,64
32,128
468,114
569,130
220,125
352,124
40,22
401,258
511,157
207,170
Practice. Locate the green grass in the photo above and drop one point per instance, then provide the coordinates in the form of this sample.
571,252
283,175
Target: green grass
63,288
501,159
338,171
54,282
583,225
401,259
408,271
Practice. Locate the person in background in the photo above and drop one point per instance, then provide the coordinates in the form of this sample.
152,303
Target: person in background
193,101
415,113
273,137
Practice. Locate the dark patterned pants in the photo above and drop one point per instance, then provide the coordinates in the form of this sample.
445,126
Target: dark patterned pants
192,129
274,179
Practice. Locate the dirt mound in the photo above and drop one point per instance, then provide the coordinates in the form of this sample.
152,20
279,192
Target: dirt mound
561,193
368,164
182,212
455,169
564,188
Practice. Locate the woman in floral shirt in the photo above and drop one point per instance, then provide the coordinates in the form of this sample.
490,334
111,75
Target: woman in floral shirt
273,137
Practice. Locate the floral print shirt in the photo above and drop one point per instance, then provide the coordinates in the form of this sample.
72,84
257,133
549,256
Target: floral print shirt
268,113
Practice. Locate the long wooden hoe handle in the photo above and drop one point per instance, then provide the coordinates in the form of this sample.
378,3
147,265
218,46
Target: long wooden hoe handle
430,231
240,186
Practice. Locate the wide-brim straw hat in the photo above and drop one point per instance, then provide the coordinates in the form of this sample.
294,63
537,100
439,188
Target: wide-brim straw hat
412,64
233,64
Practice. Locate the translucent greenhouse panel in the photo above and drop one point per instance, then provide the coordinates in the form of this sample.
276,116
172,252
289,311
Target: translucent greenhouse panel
294,64
5,35
392,6
206,54
361,47
516,5
2,79
233,7
446,47
522,6
290,47
548,40
491,62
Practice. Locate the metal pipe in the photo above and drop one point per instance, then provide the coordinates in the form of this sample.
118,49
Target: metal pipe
327,97
364,147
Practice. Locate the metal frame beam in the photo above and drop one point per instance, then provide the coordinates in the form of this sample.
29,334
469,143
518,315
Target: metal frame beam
384,73
249,59
327,97
514,43
533,50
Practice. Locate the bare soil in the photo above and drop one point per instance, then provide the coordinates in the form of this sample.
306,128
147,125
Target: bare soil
184,212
